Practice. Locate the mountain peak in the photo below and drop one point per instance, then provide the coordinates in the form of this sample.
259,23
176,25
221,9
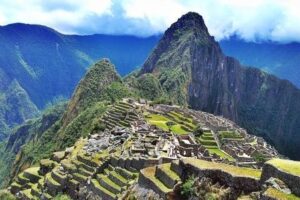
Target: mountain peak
90,88
189,22
191,19
185,37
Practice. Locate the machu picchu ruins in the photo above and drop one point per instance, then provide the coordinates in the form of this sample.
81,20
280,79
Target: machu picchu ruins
152,150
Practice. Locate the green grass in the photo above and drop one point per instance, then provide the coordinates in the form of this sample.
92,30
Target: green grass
118,176
271,192
232,135
289,166
109,182
211,143
207,139
62,197
22,178
178,130
167,169
161,122
6,195
97,185
233,170
27,193
150,174
32,170
220,153
180,118
49,178
35,188
158,120
82,177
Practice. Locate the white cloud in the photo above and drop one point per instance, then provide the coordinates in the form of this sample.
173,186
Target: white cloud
64,15
160,13
275,20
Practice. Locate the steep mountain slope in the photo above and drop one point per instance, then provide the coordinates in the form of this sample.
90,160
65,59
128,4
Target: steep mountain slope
32,131
39,66
48,64
282,60
192,70
98,88
15,105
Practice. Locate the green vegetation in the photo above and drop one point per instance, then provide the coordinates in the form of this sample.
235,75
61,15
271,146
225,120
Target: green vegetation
96,184
180,117
15,107
108,181
233,170
149,172
100,87
187,189
167,169
149,87
232,135
6,195
271,192
161,122
86,122
166,123
259,157
289,166
220,153
207,139
26,135
62,197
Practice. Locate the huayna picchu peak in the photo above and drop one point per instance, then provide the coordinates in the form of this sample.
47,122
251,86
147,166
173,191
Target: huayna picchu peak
193,71
191,123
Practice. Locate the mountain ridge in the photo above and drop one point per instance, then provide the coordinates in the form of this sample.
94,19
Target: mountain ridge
218,84
279,59
48,65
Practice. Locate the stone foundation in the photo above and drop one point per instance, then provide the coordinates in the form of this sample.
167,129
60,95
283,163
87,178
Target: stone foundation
292,181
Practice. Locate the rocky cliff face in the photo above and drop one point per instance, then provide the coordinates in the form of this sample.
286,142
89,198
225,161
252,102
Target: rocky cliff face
192,69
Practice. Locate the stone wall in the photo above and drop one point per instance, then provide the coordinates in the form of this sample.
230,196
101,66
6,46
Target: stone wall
292,181
246,184
164,178
138,163
147,183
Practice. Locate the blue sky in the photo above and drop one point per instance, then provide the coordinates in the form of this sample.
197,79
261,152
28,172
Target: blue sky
276,20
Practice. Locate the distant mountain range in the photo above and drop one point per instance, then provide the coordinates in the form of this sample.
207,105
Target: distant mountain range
187,67
44,65
282,60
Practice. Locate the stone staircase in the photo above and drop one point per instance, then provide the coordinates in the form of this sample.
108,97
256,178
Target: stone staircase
162,178
26,184
112,181
70,174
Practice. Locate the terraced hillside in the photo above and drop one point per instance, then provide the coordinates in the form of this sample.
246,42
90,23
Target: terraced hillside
162,178
121,115
173,121
132,159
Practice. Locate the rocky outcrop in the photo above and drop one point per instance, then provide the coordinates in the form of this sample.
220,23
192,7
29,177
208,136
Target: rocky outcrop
244,182
193,70
146,180
292,181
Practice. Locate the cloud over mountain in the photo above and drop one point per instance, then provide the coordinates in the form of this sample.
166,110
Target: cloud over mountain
275,20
